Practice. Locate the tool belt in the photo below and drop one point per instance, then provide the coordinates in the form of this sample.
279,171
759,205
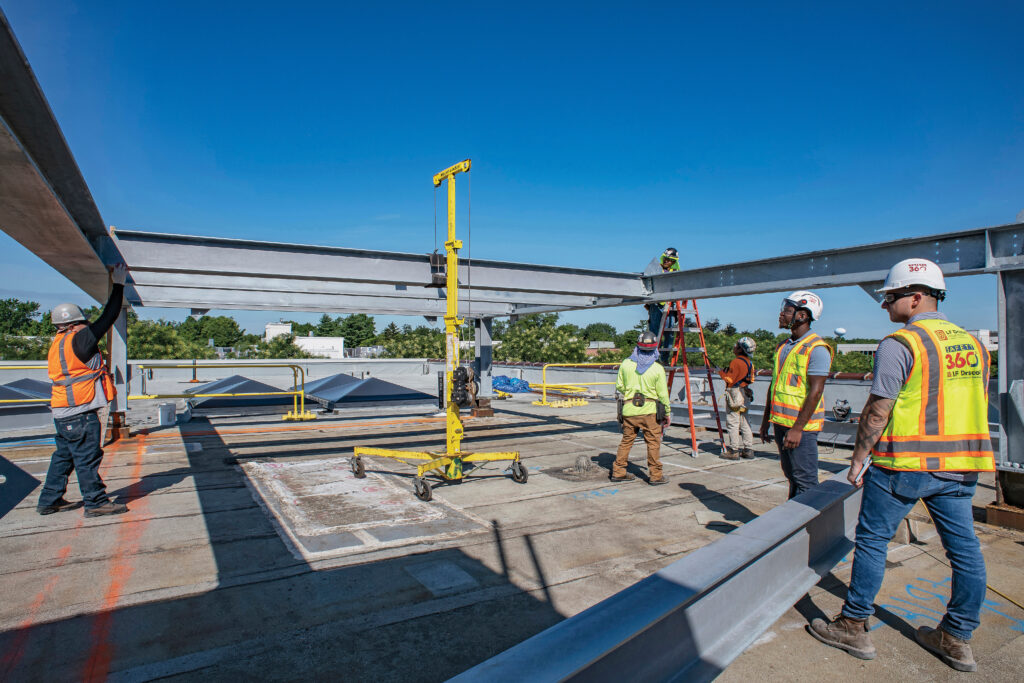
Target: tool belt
639,400
619,402
661,413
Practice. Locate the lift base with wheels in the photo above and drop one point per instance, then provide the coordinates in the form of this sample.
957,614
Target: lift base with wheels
448,468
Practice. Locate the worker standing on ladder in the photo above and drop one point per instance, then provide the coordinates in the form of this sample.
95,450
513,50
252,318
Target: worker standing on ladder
738,378
796,403
643,407
668,262
925,426
82,388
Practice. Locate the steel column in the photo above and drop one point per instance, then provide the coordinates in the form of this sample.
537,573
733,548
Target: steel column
482,365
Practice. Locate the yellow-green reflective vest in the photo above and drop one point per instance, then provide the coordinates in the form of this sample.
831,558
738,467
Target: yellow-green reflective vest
652,384
789,385
940,419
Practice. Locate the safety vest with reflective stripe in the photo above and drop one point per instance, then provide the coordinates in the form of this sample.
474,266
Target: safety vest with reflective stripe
74,382
789,385
939,422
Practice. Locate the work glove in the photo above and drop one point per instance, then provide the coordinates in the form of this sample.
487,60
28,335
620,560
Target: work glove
119,273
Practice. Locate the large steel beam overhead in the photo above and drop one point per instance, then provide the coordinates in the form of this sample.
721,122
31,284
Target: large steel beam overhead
44,202
231,265
967,252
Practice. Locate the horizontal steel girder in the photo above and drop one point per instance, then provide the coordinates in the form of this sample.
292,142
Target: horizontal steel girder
688,621
189,297
968,252
273,261
150,280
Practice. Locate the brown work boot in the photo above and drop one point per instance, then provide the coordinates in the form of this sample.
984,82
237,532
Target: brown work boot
625,477
60,506
657,481
108,508
747,453
950,649
846,634
729,454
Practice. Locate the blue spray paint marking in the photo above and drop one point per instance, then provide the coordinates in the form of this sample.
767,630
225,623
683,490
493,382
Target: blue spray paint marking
915,611
591,495
48,441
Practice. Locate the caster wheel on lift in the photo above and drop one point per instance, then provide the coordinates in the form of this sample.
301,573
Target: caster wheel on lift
519,473
422,489
358,468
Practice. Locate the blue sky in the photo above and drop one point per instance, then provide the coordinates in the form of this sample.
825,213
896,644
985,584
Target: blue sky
600,133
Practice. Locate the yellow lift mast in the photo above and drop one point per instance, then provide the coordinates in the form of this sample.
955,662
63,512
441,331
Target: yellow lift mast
458,387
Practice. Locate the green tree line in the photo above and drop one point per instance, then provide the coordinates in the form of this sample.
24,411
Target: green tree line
25,333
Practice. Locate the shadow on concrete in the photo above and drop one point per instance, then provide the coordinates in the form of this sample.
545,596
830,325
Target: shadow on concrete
15,485
272,616
831,583
735,513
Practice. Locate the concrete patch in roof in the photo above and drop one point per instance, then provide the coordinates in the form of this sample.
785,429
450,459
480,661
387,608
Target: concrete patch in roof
323,511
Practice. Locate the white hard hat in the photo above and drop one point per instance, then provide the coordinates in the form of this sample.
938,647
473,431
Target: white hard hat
66,313
748,345
809,300
914,271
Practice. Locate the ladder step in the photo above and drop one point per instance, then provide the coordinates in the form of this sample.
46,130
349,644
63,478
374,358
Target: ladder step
695,349
688,329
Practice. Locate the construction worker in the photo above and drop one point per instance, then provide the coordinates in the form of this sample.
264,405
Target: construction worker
796,404
82,387
643,407
668,263
925,426
738,378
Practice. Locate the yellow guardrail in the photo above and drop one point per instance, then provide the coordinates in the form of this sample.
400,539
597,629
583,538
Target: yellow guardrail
24,400
298,411
575,386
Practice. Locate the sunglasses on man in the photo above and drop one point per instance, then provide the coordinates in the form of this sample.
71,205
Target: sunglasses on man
891,297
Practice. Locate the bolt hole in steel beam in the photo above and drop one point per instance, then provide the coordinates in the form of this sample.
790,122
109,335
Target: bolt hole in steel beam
689,620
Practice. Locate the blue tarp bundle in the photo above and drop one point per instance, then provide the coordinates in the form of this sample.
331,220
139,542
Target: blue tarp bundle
509,384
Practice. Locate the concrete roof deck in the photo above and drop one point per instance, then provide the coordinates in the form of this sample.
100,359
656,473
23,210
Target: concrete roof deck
201,578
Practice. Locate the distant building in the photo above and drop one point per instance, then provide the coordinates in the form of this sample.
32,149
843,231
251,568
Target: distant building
321,347
596,347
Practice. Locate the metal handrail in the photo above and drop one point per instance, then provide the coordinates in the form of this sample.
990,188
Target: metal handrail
24,400
544,376
298,380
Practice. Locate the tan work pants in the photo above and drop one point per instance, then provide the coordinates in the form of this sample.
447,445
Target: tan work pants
652,436
736,425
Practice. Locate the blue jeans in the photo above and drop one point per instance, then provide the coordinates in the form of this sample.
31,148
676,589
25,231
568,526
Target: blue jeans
655,314
78,449
888,497
800,464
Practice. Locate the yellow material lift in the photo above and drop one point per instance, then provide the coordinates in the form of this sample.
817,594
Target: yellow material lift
459,387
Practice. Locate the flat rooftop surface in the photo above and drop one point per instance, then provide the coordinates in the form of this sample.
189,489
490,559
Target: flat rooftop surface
251,551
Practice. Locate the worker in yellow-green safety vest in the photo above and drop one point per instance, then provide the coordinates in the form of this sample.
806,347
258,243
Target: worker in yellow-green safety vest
925,427
643,406
668,262
795,402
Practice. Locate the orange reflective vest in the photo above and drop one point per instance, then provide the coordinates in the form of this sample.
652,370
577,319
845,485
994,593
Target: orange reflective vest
74,382
939,421
789,385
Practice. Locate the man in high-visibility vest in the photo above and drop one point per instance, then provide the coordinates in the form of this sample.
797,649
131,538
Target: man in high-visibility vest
82,387
796,404
643,407
925,426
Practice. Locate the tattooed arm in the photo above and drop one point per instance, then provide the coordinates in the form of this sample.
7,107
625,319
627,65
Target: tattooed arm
873,419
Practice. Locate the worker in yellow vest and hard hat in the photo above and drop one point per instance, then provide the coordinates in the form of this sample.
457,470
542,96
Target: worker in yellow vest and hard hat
925,426
668,262
796,404
643,407
82,388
